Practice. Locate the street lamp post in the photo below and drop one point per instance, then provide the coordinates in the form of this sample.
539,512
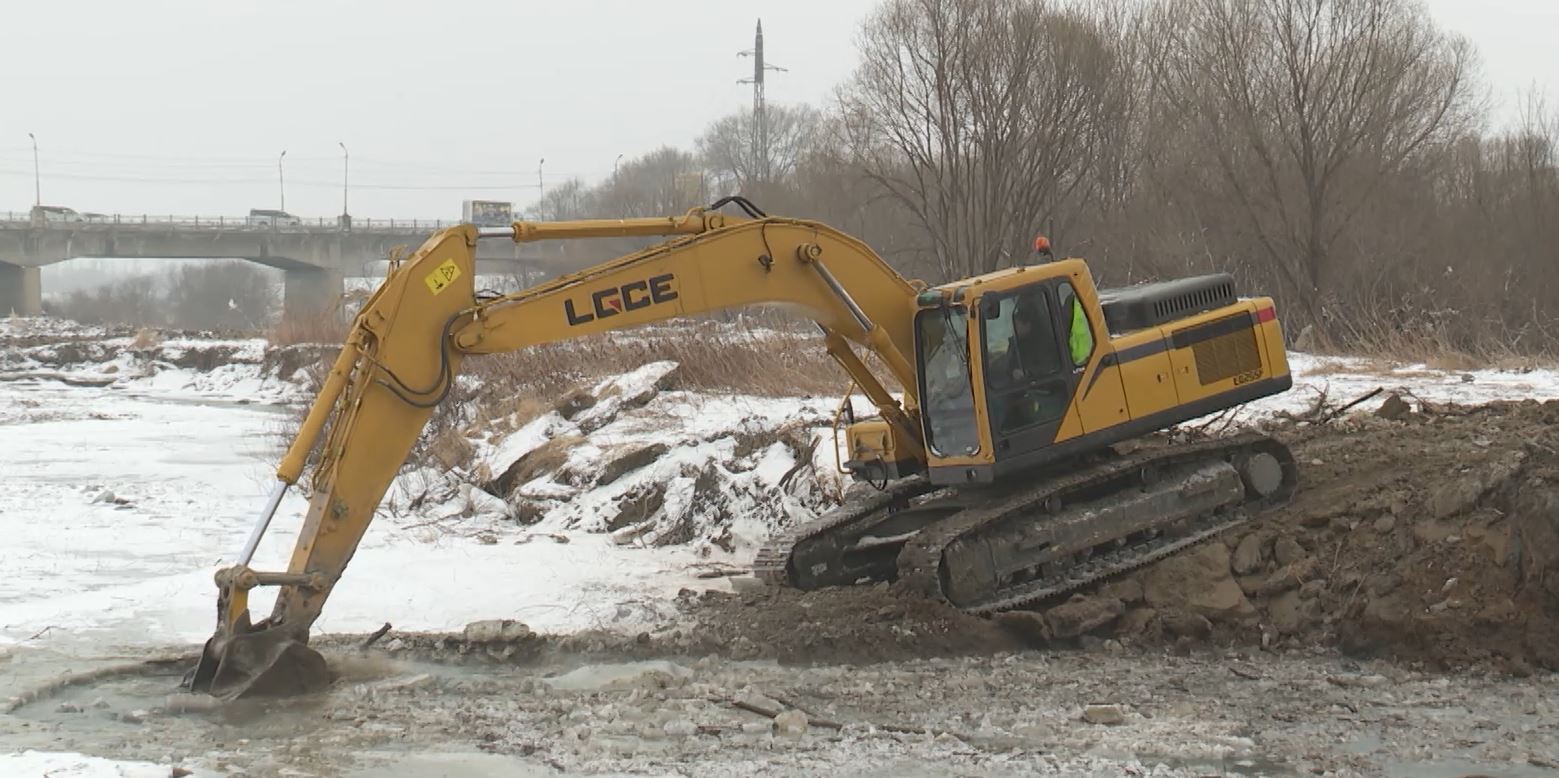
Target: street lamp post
614,166
346,174
281,180
540,186
37,185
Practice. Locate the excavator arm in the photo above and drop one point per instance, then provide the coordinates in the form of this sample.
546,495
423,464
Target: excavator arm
404,352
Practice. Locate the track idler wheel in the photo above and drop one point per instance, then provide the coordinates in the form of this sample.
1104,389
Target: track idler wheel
1262,474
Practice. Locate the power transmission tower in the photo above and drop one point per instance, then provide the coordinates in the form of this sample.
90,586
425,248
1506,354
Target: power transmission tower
760,118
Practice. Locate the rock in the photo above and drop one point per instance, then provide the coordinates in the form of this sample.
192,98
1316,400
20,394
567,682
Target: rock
1385,524
571,404
69,707
181,772
1394,408
497,631
757,727
628,459
1081,615
761,701
1316,519
103,496
396,645
1287,551
628,535
1536,537
137,716
1222,601
1286,612
637,506
1461,493
1135,622
544,458
1127,590
1026,625
1288,577
791,723
1108,715
525,510
1182,624
679,728
1248,556
1198,581
451,450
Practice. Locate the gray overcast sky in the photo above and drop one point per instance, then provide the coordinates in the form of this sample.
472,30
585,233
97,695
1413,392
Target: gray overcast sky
182,106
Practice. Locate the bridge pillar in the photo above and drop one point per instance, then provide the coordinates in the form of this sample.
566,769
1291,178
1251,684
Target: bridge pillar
311,293
21,290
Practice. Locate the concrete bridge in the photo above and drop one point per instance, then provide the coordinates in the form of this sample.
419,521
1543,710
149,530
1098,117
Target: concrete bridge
314,256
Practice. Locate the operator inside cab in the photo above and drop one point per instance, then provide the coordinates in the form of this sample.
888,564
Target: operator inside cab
1079,337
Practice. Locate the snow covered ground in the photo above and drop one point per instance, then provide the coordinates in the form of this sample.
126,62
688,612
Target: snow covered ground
66,765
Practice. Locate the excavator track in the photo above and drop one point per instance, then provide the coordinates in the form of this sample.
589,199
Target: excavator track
1090,525
812,555
991,550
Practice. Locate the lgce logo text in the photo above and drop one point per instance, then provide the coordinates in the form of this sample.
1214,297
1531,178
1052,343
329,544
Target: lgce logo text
629,297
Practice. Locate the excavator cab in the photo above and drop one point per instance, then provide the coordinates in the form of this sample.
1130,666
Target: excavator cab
1031,366
999,361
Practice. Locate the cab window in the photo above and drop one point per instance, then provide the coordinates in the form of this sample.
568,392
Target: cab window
946,391
1079,335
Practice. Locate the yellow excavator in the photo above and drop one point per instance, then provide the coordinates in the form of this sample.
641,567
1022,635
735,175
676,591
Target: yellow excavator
992,447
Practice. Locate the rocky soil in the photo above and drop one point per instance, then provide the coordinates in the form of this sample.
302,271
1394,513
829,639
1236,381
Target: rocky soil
1423,533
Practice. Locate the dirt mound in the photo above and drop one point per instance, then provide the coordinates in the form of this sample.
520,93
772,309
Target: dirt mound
872,624
1426,534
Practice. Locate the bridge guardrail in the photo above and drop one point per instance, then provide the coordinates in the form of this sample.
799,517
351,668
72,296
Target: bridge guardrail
323,224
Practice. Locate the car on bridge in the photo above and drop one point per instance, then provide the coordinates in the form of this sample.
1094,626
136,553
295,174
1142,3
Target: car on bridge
267,217
56,214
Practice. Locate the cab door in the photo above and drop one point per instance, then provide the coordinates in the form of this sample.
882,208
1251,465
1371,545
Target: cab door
1029,378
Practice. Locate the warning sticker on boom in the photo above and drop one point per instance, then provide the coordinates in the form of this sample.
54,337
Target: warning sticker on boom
442,276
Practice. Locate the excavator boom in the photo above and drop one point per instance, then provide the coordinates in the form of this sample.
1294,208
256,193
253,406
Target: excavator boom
405,349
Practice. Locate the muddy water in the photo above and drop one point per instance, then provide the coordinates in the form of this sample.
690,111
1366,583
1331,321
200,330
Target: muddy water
1004,715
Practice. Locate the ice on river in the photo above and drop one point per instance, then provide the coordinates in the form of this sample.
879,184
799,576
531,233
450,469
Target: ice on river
117,509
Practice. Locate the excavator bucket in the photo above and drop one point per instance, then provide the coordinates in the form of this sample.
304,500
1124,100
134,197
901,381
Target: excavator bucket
264,663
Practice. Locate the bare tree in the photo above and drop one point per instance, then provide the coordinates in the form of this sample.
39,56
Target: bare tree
982,117
1308,107
664,181
736,163
230,295
568,200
